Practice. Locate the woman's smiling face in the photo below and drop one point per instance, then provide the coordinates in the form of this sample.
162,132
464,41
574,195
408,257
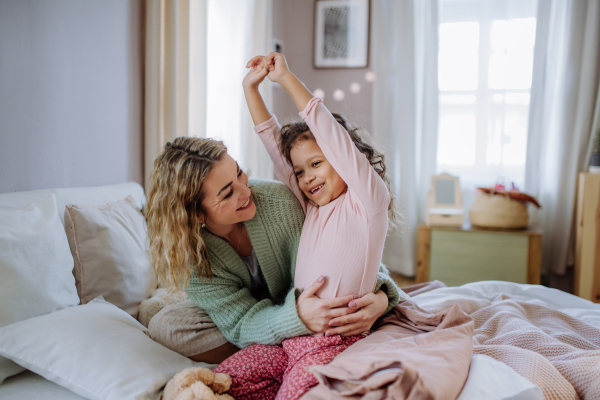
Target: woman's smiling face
316,177
226,196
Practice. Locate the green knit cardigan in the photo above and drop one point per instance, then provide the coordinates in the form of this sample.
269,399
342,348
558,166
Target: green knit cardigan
275,234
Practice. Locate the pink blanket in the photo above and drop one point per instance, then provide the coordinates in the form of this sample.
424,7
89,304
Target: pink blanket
420,353
414,354
553,350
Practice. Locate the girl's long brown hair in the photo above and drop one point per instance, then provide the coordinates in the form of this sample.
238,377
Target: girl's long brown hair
297,131
173,208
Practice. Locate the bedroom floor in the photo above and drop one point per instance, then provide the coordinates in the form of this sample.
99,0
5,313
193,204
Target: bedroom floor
402,280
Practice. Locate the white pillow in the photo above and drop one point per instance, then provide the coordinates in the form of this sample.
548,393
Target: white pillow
493,380
94,195
95,350
109,244
35,267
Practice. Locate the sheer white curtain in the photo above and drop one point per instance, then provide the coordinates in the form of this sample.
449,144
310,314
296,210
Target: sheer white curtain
196,53
175,75
405,110
237,31
564,95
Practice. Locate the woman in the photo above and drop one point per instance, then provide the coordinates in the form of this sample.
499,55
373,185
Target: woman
233,248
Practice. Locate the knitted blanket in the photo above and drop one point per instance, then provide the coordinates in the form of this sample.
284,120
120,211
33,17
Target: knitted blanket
553,350
556,352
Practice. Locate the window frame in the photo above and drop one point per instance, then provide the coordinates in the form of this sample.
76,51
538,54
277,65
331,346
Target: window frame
484,13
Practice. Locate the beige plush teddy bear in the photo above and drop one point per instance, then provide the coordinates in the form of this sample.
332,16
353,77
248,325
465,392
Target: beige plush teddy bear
196,383
160,298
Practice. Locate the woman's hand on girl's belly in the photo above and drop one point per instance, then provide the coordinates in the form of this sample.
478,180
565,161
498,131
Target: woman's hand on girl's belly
317,313
368,309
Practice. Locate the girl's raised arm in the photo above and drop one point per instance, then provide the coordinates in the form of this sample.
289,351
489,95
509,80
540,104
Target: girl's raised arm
267,126
280,73
333,139
258,71
349,162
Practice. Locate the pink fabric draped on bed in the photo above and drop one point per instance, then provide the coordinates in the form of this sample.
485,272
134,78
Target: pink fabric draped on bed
413,354
426,353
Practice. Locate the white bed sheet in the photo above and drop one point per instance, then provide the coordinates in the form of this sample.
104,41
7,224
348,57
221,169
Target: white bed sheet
562,301
490,379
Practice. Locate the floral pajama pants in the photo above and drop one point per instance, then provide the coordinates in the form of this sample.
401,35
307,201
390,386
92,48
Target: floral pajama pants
263,372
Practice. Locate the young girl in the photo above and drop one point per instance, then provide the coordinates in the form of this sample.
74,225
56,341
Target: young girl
341,184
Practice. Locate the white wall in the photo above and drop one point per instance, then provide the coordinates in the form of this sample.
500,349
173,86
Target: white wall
71,93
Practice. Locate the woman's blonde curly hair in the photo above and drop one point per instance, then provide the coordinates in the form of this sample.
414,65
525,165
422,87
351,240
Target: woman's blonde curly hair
174,204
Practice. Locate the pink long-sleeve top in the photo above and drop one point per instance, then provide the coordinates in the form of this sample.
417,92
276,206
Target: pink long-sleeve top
342,240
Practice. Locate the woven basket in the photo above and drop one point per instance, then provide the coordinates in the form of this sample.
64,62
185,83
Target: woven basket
495,211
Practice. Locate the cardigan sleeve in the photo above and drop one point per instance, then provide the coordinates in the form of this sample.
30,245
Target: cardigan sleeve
387,284
226,297
241,318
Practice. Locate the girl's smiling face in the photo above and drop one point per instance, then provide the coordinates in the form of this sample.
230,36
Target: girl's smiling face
316,177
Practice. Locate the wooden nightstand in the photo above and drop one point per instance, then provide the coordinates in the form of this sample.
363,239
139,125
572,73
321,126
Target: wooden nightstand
457,256
587,246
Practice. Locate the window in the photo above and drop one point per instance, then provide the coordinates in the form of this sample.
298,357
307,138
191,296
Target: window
485,63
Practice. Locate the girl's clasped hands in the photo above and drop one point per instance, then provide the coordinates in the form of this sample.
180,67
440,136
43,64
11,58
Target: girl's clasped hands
273,66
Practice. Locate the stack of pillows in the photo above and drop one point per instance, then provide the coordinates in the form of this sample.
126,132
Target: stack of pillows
70,295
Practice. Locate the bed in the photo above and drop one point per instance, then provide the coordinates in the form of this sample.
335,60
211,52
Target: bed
99,351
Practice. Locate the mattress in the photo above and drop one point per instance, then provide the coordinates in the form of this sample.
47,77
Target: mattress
30,386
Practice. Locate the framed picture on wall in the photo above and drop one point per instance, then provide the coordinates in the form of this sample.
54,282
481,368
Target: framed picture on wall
341,34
